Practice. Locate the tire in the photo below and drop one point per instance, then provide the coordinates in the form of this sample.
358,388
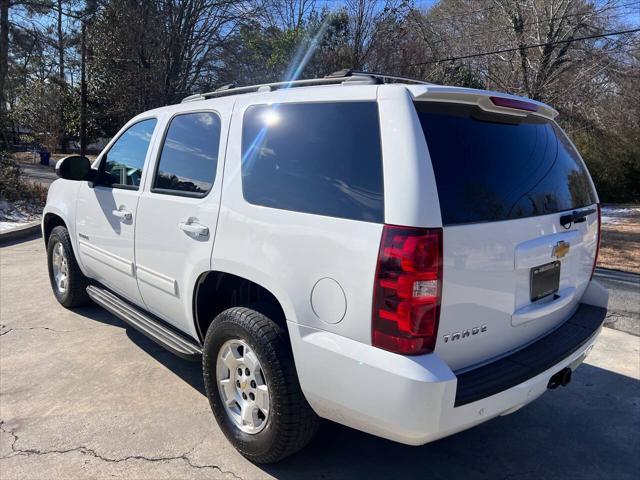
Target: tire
74,293
290,423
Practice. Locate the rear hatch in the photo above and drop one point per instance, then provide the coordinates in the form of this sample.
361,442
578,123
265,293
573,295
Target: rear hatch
516,259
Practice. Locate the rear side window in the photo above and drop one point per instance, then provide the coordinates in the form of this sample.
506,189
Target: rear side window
492,167
319,158
189,157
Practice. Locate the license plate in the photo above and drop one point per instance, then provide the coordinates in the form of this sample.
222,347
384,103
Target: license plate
545,280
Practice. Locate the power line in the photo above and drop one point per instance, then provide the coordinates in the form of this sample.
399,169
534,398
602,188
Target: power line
585,13
509,29
524,47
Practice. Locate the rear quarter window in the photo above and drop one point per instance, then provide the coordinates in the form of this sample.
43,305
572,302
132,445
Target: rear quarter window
318,158
491,167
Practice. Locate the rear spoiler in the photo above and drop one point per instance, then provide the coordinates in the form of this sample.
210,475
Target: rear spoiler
489,101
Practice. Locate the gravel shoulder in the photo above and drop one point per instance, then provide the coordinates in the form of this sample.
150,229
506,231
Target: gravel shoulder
620,243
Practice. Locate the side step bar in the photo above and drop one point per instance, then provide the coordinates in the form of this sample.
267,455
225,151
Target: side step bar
156,331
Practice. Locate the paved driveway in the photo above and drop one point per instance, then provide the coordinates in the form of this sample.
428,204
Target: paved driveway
624,299
83,396
44,175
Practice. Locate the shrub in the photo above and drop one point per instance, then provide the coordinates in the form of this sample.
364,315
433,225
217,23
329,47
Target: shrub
613,159
14,188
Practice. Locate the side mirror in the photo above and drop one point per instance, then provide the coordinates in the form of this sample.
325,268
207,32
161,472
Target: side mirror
74,167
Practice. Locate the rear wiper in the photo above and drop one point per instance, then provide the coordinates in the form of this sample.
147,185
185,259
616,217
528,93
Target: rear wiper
577,216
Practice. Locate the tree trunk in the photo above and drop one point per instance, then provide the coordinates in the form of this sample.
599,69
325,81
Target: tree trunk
4,64
61,129
83,92
60,44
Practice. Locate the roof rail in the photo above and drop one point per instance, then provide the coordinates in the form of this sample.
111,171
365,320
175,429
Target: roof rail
346,72
340,77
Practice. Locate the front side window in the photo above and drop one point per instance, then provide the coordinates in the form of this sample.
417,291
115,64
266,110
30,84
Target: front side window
318,158
189,157
125,159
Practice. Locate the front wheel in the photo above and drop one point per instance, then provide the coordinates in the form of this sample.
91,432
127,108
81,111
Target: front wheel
253,387
67,280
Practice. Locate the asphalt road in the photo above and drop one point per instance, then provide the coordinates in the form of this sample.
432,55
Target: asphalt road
84,396
44,175
624,299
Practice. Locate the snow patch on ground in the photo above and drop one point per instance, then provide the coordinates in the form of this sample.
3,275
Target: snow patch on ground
613,215
17,214
6,226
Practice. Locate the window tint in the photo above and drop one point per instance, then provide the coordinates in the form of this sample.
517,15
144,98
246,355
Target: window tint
492,167
321,158
125,158
189,155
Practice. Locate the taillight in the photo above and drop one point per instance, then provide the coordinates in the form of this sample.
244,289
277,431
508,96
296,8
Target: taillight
407,291
595,260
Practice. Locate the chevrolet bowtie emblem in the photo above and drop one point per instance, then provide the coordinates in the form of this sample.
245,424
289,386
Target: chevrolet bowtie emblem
560,249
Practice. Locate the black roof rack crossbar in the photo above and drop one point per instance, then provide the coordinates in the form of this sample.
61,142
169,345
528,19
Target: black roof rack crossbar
340,77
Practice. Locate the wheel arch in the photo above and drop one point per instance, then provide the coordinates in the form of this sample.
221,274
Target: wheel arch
216,291
50,221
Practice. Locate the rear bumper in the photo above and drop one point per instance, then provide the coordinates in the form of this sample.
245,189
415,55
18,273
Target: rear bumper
538,357
416,400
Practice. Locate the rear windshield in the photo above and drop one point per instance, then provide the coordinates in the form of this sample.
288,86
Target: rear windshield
491,167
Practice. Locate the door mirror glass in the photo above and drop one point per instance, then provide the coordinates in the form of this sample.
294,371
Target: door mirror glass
74,167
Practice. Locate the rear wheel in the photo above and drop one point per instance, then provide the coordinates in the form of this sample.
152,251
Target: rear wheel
67,280
253,387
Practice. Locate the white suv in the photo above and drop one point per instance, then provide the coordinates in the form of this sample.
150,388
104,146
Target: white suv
403,258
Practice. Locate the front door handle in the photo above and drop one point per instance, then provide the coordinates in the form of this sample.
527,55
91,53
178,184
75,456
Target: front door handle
122,214
194,228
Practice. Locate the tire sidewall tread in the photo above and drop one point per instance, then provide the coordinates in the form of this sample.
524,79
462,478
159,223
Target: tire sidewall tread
291,423
76,294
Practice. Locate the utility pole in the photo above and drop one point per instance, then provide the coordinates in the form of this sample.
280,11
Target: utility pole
83,91
63,81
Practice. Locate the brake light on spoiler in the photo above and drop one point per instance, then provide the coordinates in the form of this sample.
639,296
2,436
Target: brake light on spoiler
513,103
408,289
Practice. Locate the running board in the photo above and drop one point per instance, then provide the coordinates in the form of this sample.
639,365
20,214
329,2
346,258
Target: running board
156,331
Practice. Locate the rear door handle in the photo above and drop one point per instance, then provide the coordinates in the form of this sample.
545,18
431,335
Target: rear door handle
122,214
194,228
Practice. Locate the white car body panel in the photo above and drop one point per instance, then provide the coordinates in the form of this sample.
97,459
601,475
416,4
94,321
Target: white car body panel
271,246
169,260
409,182
486,282
105,243
406,399
61,203
321,269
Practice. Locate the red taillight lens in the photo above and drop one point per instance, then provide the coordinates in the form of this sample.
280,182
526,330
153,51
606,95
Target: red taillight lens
512,103
407,291
595,260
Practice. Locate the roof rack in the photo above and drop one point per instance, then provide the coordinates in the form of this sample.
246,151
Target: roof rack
340,77
383,77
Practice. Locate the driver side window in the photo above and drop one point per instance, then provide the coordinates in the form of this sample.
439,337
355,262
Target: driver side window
125,159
